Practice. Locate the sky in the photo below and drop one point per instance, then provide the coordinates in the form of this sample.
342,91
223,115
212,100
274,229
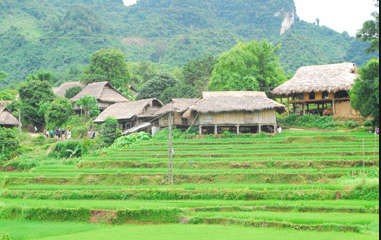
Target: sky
340,15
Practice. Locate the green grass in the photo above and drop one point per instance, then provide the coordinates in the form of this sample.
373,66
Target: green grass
74,231
296,217
331,205
295,178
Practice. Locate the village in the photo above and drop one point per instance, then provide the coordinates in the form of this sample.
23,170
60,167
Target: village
191,120
320,90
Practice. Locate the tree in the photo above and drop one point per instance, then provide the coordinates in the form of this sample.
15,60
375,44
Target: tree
365,92
34,95
197,72
248,66
370,31
58,113
108,65
110,131
41,75
141,72
71,92
180,90
9,144
156,86
89,106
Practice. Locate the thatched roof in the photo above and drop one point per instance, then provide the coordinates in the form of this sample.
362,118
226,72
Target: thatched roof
61,90
128,110
102,91
234,101
178,105
319,78
6,118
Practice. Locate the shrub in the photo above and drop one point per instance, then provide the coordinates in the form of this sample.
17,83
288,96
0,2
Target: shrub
9,143
351,124
310,121
110,131
125,141
368,123
176,134
69,149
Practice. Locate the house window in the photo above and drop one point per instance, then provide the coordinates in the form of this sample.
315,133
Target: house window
312,95
325,95
341,94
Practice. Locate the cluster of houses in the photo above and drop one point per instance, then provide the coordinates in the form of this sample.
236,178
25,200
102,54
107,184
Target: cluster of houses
321,89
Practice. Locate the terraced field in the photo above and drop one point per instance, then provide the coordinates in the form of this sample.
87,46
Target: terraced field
297,185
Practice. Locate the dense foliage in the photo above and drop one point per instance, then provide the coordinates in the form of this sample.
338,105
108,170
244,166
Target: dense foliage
58,113
110,131
108,65
69,149
35,95
61,36
89,106
9,143
125,141
309,121
155,87
248,66
365,94
370,31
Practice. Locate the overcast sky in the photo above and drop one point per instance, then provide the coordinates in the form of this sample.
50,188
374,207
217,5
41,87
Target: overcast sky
340,15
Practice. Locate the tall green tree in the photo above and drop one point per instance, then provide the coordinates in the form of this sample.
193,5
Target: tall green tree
365,95
34,97
248,66
58,113
370,31
197,73
108,65
155,87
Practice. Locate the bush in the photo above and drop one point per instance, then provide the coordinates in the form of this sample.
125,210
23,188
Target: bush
176,134
9,143
368,123
110,131
309,121
69,149
125,141
351,124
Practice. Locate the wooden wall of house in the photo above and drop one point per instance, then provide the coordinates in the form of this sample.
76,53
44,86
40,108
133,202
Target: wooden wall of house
177,120
345,110
234,118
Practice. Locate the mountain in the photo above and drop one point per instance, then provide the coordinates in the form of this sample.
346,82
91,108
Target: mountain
61,35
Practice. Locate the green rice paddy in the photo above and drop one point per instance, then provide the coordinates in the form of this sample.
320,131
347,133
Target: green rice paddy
297,185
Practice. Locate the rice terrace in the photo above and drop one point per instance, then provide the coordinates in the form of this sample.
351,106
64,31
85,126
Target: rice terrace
295,185
189,120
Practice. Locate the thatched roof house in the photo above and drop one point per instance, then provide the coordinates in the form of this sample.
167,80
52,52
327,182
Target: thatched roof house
320,78
247,110
7,119
105,94
131,114
61,90
314,88
177,107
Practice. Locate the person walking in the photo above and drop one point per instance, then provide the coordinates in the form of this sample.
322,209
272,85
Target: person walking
68,134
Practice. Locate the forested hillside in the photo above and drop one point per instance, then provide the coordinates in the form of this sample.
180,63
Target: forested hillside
60,35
